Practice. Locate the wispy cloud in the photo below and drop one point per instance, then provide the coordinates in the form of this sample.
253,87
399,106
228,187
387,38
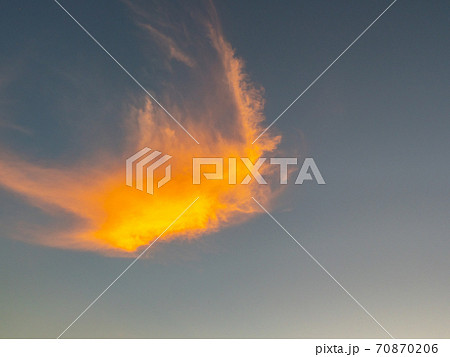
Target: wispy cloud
216,101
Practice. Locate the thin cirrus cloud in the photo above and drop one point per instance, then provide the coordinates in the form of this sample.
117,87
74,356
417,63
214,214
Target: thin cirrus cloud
169,46
223,109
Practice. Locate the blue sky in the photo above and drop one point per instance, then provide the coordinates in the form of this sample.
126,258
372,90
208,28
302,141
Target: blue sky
376,124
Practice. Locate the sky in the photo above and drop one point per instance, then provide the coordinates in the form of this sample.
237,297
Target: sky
376,123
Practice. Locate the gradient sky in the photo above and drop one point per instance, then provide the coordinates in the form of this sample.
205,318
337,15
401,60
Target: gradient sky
377,124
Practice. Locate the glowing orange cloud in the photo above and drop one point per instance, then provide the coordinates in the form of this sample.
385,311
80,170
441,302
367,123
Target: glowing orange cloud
224,113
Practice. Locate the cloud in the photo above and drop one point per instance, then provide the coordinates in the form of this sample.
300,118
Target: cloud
216,101
169,46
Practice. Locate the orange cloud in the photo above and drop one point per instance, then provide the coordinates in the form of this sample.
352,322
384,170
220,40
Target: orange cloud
223,111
